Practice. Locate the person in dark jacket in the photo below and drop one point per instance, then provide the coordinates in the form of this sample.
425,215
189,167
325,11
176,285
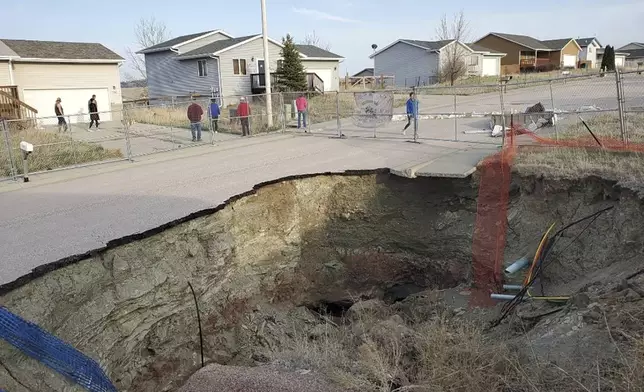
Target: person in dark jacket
92,106
243,111
214,114
412,111
60,113
195,112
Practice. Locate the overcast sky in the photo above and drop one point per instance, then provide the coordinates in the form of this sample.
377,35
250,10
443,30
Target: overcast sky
349,26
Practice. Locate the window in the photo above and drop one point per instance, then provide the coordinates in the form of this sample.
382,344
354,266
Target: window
474,60
279,64
239,66
203,68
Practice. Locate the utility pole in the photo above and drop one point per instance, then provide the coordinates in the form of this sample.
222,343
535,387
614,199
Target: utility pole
267,67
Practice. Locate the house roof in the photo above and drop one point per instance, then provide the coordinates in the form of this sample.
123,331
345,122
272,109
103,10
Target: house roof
427,45
523,40
369,71
584,42
632,53
216,46
314,51
557,44
174,41
479,48
29,49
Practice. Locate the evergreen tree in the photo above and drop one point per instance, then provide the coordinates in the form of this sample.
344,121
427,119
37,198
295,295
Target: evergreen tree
290,71
608,60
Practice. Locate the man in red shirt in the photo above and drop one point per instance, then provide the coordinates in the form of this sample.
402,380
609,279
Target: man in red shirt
194,115
243,111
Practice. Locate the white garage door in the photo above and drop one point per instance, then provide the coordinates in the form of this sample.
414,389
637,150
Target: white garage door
569,60
490,66
74,103
326,75
619,61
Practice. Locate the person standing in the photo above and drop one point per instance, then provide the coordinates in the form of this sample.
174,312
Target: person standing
302,110
214,114
412,111
60,113
195,112
243,111
92,106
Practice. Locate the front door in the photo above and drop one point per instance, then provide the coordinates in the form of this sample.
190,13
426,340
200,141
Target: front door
261,70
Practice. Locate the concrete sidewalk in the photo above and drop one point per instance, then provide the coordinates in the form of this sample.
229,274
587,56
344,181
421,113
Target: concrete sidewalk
69,212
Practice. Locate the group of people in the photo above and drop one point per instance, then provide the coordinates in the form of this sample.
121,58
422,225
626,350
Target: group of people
92,108
195,116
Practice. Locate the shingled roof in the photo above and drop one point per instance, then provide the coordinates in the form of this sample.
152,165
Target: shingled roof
557,44
584,42
524,40
174,41
314,51
215,47
29,49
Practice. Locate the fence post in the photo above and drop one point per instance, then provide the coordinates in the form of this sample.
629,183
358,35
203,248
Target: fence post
620,105
128,145
455,119
337,113
502,114
7,140
283,111
71,139
554,119
375,122
413,89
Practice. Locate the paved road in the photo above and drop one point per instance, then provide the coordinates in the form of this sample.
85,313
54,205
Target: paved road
69,212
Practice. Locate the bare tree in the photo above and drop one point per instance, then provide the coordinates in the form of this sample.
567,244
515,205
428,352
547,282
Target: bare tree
313,39
148,32
454,56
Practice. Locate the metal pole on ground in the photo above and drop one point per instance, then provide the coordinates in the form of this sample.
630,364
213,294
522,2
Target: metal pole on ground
282,111
455,120
128,145
554,120
267,67
7,140
375,118
502,114
415,115
337,113
620,105
71,138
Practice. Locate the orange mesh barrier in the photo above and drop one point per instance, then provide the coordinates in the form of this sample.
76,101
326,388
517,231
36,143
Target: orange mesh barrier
489,237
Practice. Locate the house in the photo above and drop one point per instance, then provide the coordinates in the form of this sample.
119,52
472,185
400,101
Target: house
216,62
632,46
525,53
635,52
588,54
34,73
620,58
414,62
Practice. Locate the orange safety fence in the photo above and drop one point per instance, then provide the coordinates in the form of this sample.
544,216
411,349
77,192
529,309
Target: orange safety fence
489,237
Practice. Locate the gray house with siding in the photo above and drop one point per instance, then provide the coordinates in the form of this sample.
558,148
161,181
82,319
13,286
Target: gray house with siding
214,62
417,63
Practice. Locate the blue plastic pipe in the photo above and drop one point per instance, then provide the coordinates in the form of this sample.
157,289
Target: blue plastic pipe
518,265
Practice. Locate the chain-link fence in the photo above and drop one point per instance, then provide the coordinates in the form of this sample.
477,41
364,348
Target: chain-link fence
609,104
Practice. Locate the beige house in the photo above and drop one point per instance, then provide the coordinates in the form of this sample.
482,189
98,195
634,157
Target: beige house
34,73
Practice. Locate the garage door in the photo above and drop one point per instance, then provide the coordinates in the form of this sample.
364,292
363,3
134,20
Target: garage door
619,61
490,67
74,103
569,60
326,75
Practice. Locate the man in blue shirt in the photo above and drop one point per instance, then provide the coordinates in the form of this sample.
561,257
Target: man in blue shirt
412,111
214,114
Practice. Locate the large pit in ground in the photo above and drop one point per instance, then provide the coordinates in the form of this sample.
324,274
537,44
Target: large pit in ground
319,242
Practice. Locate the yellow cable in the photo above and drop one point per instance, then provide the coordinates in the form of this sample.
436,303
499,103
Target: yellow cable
534,262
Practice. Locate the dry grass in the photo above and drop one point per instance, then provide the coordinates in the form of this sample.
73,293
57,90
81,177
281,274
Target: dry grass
53,151
575,162
444,353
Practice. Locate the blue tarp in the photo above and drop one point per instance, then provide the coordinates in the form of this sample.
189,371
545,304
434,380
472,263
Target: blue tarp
53,352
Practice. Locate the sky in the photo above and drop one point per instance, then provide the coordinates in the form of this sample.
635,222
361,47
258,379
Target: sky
350,27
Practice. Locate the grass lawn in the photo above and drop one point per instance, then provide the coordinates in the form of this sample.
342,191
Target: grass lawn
53,151
573,162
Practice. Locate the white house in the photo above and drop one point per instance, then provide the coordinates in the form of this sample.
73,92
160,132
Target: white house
416,63
588,53
35,73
